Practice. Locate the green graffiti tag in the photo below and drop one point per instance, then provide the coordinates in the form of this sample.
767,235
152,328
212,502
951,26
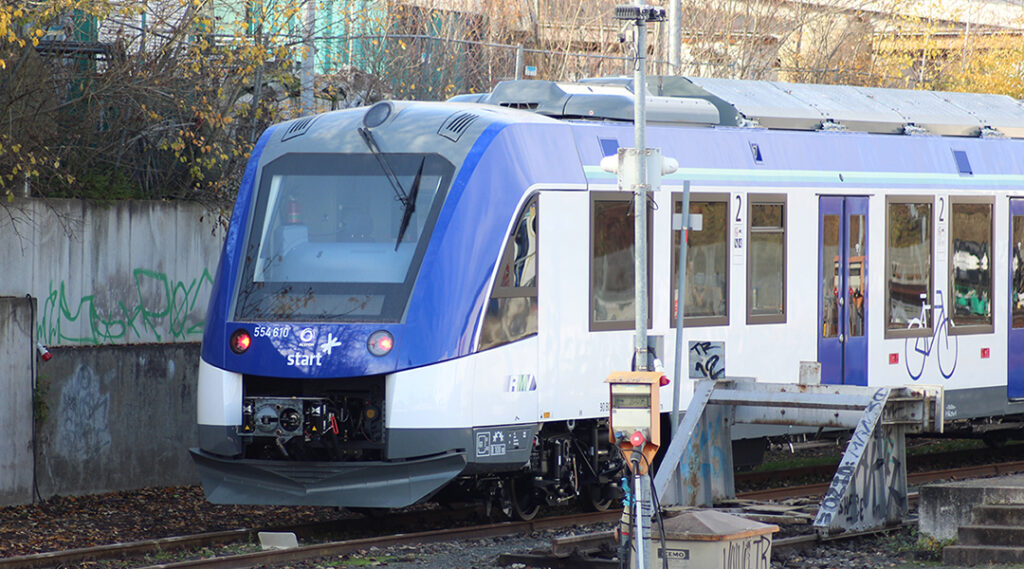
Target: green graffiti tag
158,309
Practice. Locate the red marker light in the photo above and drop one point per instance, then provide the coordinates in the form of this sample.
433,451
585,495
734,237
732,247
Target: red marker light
663,381
240,341
985,353
894,359
637,440
380,343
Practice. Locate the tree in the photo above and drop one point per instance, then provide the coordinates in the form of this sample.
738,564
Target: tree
159,99
944,51
28,142
138,99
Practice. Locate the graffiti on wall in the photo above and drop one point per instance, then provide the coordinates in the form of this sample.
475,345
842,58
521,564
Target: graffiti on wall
153,307
707,360
868,489
83,431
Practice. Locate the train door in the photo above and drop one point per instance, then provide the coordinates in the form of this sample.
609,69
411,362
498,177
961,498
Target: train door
843,298
1015,349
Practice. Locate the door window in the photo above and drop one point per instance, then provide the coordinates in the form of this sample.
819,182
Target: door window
1017,266
831,280
855,257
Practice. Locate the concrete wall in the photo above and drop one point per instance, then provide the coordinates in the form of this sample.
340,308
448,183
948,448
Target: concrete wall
110,417
118,417
121,273
16,358
119,294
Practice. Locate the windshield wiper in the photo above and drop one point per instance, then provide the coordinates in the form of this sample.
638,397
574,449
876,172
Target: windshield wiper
410,206
384,165
408,200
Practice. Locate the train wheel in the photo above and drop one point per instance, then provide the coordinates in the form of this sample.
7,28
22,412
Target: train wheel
518,500
596,498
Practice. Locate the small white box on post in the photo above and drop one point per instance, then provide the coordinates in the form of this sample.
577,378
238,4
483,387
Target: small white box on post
623,164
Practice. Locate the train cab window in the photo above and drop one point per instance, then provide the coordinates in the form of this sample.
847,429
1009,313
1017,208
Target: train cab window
512,309
766,259
329,240
612,277
706,299
970,265
908,262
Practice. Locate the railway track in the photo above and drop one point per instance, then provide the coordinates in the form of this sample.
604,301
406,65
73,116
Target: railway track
915,463
913,479
329,530
257,558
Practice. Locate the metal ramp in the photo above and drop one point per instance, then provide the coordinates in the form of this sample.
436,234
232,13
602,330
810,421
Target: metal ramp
869,489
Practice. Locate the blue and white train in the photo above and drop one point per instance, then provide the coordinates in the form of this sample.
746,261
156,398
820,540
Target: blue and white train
418,299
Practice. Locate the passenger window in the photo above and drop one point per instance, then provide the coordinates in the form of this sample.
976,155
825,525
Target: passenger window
612,262
908,264
512,309
766,259
970,265
706,299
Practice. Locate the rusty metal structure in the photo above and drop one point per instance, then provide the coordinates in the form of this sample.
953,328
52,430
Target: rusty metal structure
869,489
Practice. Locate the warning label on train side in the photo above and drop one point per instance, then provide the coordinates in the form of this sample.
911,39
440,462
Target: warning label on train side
490,443
503,443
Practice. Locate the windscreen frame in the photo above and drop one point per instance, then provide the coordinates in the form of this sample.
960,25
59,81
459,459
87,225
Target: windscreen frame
253,299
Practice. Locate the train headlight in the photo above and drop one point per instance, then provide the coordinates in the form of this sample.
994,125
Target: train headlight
240,341
377,114
380,343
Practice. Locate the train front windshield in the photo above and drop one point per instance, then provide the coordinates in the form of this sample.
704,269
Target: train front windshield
338,237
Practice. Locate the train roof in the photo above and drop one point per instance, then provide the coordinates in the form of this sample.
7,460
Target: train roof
767,104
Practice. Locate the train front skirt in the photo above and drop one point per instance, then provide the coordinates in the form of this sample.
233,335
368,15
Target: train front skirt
376,484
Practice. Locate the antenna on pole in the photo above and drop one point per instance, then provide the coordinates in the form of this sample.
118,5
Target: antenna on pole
632,168
636,178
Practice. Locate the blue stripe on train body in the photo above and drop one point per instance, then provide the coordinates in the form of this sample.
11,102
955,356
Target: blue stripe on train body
215,344
495,165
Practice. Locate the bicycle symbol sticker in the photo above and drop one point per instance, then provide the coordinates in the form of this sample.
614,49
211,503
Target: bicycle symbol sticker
946,347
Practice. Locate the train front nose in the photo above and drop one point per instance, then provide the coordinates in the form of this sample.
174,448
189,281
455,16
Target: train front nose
260,444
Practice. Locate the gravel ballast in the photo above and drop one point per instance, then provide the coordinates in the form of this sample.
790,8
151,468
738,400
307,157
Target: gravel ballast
69,522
